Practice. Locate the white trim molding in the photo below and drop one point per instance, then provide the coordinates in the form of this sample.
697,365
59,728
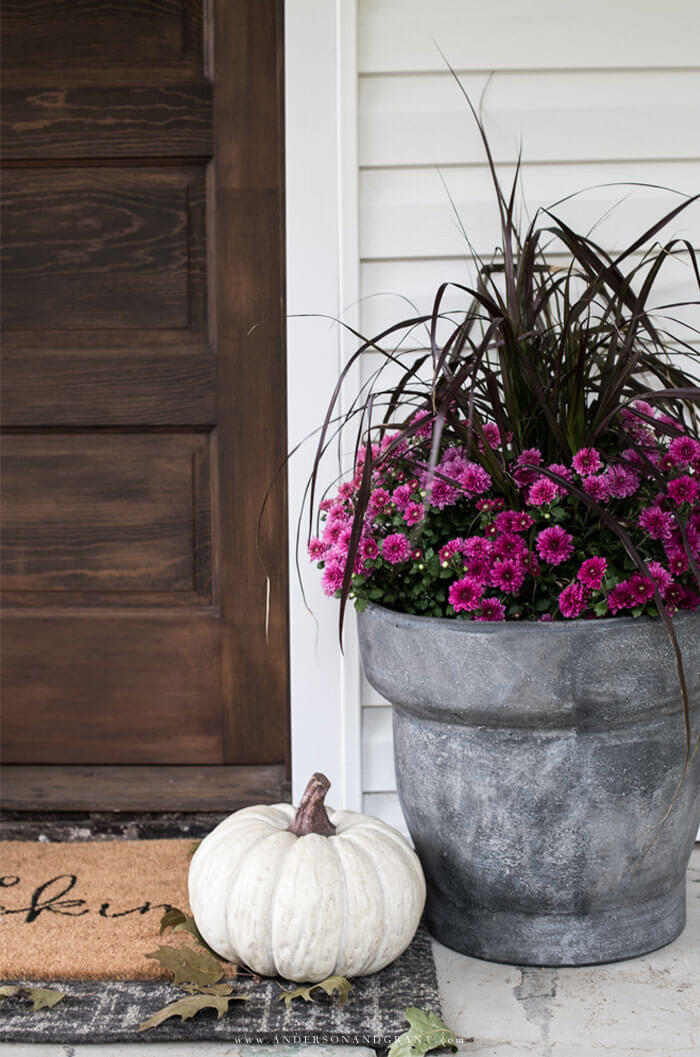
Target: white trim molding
322,261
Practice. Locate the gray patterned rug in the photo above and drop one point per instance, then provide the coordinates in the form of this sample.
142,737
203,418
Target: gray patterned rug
111,1010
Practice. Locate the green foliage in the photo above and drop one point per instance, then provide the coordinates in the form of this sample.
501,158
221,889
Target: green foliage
426,1032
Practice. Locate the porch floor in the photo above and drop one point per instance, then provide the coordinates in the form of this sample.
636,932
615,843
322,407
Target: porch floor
646,1007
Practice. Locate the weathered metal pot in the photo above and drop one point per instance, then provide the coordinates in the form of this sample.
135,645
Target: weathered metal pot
535,765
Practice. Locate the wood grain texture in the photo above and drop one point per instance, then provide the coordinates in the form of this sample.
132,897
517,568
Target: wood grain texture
111,687
145,421
251,391
111,513
161,788
108,249
101,34
107,387
107,121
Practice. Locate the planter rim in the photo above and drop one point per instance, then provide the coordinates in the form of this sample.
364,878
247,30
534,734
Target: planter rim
528,626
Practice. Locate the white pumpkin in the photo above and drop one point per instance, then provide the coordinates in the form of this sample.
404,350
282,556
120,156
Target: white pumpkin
338,893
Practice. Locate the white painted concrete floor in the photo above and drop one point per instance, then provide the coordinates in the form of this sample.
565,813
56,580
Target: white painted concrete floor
646,1007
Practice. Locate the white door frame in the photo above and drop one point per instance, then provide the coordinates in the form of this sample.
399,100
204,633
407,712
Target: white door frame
322,260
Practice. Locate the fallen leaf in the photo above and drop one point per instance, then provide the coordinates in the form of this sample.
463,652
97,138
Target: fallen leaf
333,983
188,966
171,918
41,998
178,921
211,989
185,1008
426,1032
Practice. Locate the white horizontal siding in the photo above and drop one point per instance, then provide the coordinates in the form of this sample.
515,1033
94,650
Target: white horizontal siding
601,93
558,117
386,285
402,35
385,806
377,748
407,212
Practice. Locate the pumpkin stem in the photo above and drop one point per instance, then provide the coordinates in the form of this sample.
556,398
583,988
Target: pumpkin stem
311,816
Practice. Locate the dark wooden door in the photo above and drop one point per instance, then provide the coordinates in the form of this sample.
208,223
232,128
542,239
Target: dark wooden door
143,382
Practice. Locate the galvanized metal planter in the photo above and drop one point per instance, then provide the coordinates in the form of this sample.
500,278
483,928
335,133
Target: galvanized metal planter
535,764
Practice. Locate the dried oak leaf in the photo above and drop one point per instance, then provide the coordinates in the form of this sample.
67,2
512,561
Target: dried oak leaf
188,966
426,1032
331,984
211,989
41,998
185,1008
178,921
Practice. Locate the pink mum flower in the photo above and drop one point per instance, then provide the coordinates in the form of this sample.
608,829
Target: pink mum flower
475,479
513,521
378,501
413,513
526,467
465,594
442,494
561,470
677,560
530,457
368,548
477,547
684,450
623,482
659,575
452,547
554,545
683,490
573,600
492,434
491,610
542,492
332,579
656,522
396,548
642,588
597,487
592,572
426,429
489,504
621,597
507,576
509,545
332,532
317,549
479,568
401,496
586,461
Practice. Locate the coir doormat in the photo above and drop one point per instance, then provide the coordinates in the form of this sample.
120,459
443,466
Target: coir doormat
87,911
98,908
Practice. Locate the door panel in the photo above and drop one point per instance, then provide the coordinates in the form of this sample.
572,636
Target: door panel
106,514
112,249
144,390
